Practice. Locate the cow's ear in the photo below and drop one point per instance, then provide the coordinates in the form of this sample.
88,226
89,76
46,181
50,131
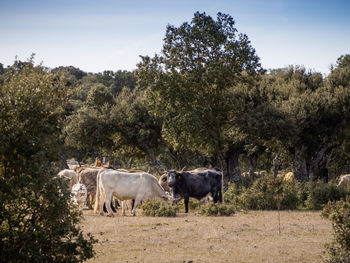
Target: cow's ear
178,175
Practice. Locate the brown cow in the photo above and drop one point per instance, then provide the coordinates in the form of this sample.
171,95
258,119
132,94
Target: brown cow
87,176
163,181
288,177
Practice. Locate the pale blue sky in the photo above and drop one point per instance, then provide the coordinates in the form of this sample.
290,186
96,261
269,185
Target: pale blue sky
110,35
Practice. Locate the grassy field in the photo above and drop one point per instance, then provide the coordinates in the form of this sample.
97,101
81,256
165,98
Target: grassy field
245,237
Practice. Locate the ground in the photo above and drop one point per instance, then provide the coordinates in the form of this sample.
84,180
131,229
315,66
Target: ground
251,236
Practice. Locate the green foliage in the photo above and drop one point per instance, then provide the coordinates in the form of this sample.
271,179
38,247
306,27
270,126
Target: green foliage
265,193
271,193
99,96
193,204
318,194
38,222
90,130
136,133
154,207
188,85
343,61
116,81
339,213
212,209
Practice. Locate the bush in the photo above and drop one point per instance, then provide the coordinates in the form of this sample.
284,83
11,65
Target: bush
193,204
263,194
215,209
153,207
339,213
318,194
38,221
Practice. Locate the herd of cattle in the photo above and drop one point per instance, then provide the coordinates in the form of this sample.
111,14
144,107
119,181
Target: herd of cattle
99,186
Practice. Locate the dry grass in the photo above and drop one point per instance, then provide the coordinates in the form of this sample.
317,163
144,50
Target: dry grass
244,237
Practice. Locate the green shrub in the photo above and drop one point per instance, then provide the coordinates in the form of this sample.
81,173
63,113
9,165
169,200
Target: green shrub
38,221
153,207
193,204
212,209
319,194
262,194
339,213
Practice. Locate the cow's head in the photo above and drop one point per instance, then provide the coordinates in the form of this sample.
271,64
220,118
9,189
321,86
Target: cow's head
163,181
172,177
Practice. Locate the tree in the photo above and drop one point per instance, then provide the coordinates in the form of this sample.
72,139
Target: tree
296,111
2,70
339,249
136,132
188,84
38,221
117,80
90,129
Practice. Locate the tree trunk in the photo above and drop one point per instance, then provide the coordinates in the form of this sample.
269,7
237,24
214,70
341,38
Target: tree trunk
224,169
155,163
175,156
318,168
253,163
63,159
234,172
299,166
275,165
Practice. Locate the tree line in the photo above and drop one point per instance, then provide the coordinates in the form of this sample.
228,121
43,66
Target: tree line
205,100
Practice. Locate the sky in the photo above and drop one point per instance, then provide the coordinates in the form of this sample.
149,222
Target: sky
111,34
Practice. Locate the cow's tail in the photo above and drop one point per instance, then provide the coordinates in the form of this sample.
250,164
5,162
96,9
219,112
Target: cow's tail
98,193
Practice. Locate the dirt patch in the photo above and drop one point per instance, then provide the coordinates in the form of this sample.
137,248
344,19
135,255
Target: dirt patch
244,237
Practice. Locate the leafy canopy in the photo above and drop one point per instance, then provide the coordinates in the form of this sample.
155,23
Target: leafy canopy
187,85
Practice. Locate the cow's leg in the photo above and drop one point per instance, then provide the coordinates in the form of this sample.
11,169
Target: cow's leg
123,207
136,202
101,201
92,198
108,205
186,200
215,196
88,201
113,208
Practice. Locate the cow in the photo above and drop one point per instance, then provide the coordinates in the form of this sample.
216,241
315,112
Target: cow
70,176
344,180
87,176
197,184
163,181
126,186
79,195
288,177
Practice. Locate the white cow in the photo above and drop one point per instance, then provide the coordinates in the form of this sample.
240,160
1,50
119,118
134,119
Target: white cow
70,176
126,186
79,195
344,180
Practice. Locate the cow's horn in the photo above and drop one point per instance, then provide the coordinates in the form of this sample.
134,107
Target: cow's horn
183,169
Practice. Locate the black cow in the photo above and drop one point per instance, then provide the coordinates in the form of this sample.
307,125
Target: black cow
197,183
